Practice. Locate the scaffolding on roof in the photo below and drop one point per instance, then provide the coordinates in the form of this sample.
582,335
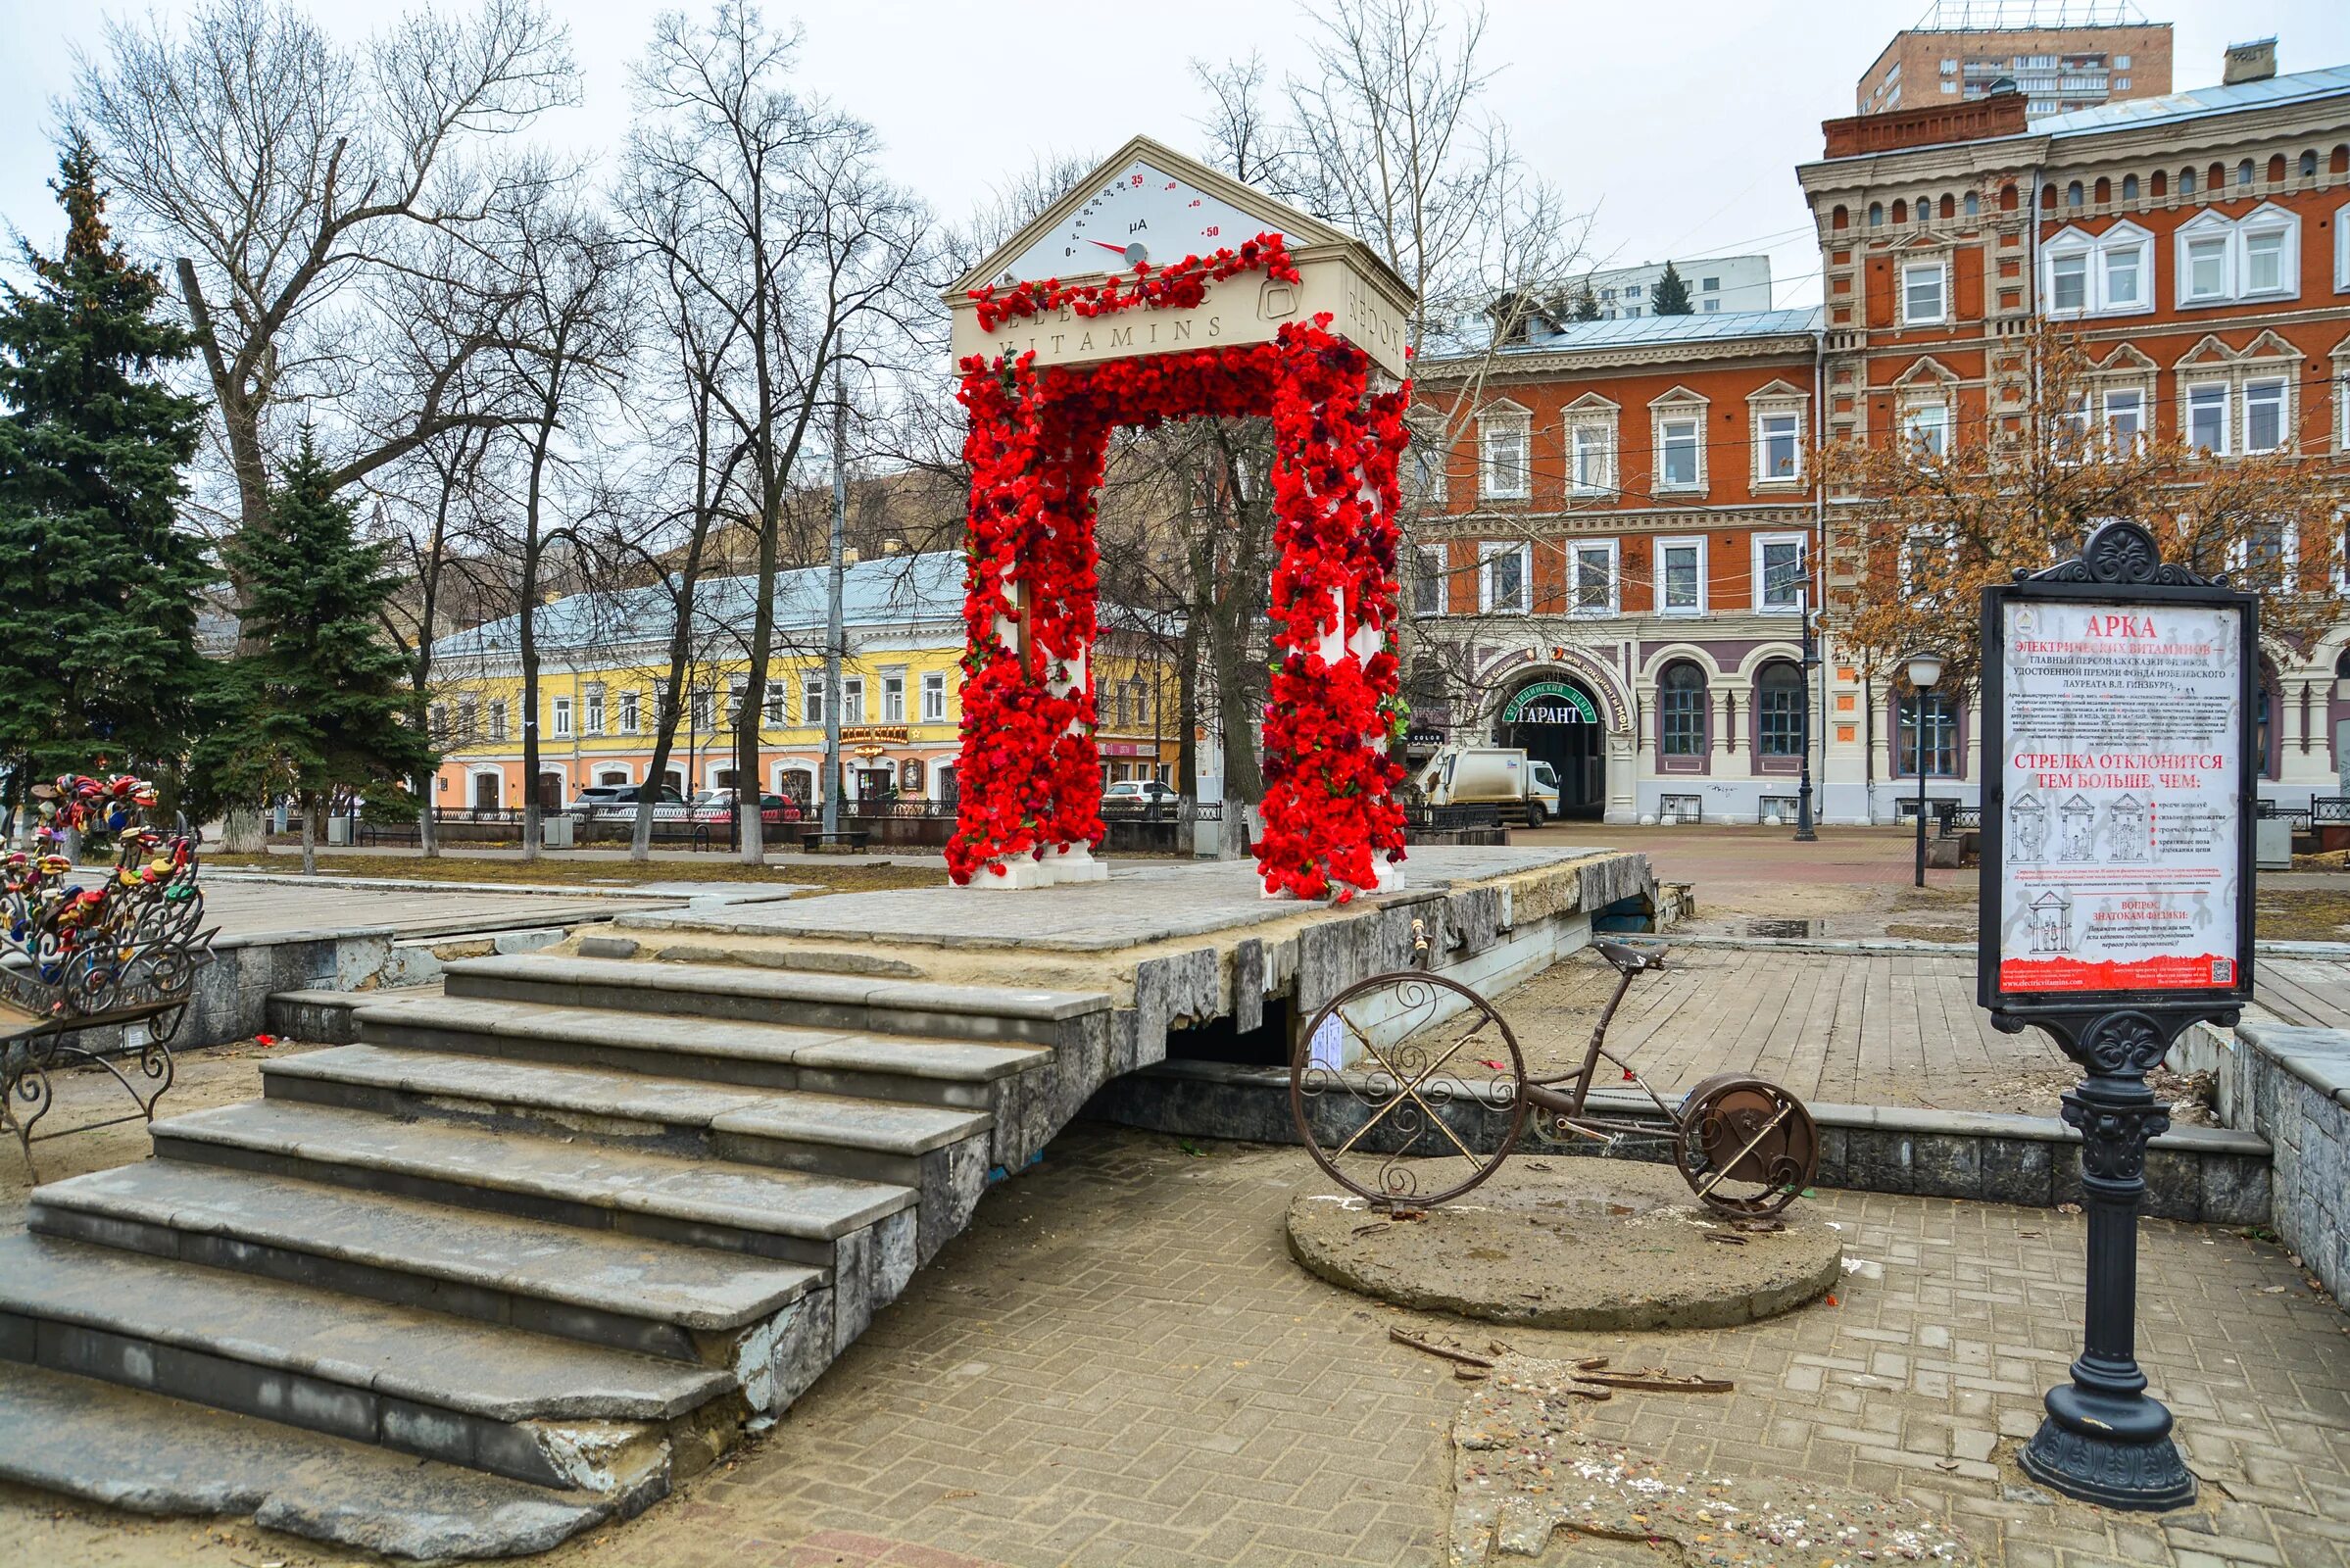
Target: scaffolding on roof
2025,15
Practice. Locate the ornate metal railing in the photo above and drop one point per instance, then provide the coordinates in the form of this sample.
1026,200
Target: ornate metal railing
117,947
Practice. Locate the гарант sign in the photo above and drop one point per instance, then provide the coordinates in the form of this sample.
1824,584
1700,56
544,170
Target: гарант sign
2122,756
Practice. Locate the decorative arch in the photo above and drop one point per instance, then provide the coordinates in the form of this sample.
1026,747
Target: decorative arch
1503,677
1654,664
1763,654
1311,339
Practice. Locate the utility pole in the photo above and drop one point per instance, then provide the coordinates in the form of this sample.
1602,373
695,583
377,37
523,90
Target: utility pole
834,637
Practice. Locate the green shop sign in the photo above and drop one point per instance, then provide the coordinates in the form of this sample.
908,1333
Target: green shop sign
1549,702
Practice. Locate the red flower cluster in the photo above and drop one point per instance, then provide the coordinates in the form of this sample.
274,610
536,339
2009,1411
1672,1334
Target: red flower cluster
1030,773
1179,285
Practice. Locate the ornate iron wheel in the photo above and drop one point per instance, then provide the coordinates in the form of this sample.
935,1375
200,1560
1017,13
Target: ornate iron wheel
1746,1147
1409,1089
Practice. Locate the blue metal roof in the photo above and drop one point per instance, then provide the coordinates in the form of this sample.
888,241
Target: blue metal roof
2301,85
887,590
1626,330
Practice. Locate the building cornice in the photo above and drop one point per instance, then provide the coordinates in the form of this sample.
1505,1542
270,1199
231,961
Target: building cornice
1535,365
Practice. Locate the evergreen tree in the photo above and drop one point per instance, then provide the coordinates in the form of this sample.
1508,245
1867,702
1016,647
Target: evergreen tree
1671,296
1586,307
98,587
320,706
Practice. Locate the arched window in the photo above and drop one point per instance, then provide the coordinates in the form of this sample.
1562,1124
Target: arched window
1875,215
2048,197
2340,162
1681,708
2129,187
2105,190
1948,205
1900,211
1840,219
2072,194
2007,197
2309,164
2186,183
1974,204
2341,665
2243,174
2215,180
2159,186
1779,709
1924,208
2277,169
1940,735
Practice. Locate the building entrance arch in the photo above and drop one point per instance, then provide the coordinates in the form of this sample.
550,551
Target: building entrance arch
1557,719
1302,326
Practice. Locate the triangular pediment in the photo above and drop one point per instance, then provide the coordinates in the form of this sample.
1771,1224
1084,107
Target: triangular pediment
1503,408
1678,397
1927,370
1173,198
1591,403
1775,392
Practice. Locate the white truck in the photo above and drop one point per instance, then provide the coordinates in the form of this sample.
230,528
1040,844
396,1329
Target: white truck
1524,788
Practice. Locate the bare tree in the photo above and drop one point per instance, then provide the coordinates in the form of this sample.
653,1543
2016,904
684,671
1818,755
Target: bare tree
280,170
776,210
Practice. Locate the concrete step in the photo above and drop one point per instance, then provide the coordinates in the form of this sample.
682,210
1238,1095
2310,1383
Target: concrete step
628,1292
864,1232
126,1449
1003,1080
999,1014
471,1394
939,1152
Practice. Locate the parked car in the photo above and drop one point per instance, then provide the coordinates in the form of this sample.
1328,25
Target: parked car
1141,791
617,802
717,805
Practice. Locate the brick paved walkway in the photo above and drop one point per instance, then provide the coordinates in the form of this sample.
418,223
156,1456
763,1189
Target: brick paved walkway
1120,1365
1840,1028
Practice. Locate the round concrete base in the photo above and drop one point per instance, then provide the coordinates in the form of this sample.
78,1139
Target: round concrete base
1570,1243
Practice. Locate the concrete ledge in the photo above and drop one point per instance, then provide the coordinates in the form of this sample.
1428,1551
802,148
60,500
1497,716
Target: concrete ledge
2292,1086
2211,1175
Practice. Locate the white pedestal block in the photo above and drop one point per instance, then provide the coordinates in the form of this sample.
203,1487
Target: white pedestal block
1074,862
1021,871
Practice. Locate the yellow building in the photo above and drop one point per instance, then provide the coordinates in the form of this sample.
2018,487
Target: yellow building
604,660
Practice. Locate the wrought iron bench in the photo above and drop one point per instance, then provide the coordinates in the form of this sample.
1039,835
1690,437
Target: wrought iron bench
120,950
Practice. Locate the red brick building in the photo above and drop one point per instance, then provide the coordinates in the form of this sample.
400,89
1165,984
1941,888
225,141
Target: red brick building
1619,510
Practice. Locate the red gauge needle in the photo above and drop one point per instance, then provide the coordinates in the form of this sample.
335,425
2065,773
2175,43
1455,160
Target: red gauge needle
1108,246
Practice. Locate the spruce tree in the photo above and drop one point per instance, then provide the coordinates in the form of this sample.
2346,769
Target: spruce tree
1586,307
320,704
98,587
1671,296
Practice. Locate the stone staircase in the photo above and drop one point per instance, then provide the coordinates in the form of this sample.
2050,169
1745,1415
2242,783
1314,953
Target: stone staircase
559,1228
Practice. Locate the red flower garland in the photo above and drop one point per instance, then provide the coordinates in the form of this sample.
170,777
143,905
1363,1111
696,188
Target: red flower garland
1029,774
1180,285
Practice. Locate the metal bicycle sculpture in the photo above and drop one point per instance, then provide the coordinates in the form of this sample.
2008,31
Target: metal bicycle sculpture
120,948
1409,1089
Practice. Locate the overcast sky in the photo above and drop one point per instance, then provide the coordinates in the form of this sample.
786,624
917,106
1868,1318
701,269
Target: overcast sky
1678,126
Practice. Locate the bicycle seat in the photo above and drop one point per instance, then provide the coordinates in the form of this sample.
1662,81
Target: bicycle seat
1631,960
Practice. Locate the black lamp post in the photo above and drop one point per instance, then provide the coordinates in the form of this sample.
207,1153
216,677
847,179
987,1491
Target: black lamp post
1805,833
1925,668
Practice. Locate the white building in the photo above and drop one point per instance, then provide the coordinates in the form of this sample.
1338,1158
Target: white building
1717,285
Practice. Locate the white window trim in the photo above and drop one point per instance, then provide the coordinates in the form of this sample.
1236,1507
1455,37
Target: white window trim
1489,426
1426,460
1916,402
2187,388
2287,425
1488,550
933,680
1759,412
1657,593
626,703
2239,556
2269,218
1801,542
2105,425
1435,563
1942,271
812,700
1675,411
2095,250
559,717
1605,425
1615,578
498,773
2341,249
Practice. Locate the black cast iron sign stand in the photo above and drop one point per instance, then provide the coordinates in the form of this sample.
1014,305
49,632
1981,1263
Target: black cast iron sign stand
2103,1439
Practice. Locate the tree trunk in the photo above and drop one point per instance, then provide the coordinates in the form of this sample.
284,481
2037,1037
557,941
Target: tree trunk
428,835
309,835
241,831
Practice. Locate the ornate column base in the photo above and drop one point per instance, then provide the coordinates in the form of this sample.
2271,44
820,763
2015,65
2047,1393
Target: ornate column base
2106,1447
1020,872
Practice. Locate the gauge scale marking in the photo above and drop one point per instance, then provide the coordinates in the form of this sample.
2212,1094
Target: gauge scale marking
1141,216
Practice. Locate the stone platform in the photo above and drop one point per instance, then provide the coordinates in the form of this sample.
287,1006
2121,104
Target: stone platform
1583,1244
1172,943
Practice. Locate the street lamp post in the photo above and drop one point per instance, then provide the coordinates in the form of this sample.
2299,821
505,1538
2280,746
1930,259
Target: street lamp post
1925,668
1805,833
